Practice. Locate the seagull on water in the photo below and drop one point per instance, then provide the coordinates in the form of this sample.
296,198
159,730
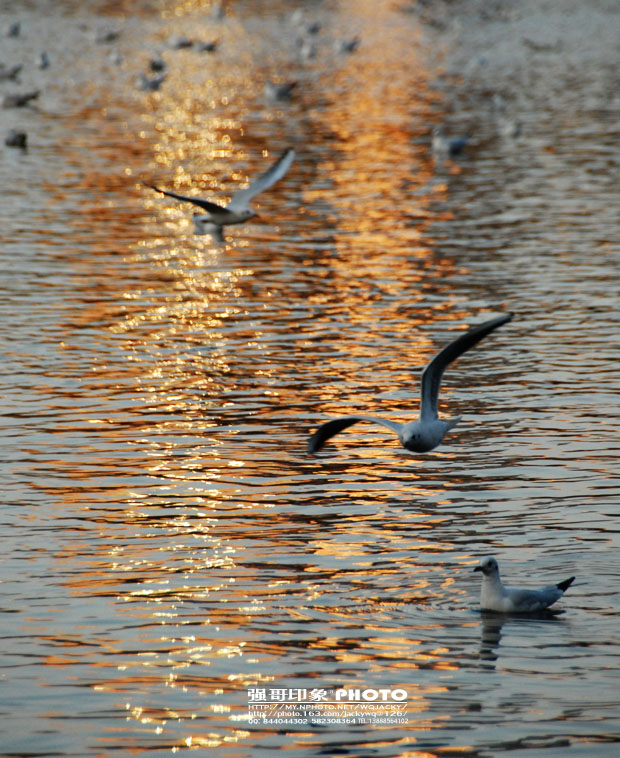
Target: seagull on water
495,597
238,209
450,146
428,430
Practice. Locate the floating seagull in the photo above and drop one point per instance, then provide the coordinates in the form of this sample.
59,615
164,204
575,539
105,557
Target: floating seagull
11,72
105,36
282,91
238,209
218,11
179,41
495,597
307,49
150,83
348,45
210,46
157,64
428,430
43,61
16,138
451,146
20,99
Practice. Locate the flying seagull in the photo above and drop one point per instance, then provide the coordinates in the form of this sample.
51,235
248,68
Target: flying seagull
428,430
495,597
238,209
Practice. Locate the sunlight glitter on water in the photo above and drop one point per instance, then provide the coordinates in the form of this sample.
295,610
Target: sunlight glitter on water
172,545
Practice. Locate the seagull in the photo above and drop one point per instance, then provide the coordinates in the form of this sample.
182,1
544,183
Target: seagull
150,83
495,597
179,41
348,45
238,209
451,146
10,72
105,36
282,91
43,61
428,430
20,99
157,64
210,46
16,138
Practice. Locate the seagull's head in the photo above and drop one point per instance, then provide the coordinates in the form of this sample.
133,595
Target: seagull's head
488,566
246,214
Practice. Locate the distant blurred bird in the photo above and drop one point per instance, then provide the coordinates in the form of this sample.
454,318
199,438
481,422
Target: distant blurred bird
307,49
428,430
20,99
450,146
16,138
209,46
281,92
238,209
157,64
150,84
495,597
179,41
510,128
349,45
14,29
106,36
9,73
218,10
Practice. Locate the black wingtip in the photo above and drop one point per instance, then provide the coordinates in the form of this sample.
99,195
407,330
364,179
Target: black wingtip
565,584
315,443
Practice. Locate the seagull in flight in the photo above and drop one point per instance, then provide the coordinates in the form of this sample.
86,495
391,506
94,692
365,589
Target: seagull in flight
238,209
495,597
428,430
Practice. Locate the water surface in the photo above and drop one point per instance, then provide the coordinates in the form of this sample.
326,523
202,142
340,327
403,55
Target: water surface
168,544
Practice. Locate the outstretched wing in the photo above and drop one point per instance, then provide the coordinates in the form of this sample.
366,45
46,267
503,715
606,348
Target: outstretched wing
241,200
432,374
330,428
206,205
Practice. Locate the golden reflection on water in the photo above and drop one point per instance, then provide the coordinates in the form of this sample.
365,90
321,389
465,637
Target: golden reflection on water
196,585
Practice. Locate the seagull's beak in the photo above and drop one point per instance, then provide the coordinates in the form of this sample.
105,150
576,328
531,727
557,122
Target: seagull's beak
478,568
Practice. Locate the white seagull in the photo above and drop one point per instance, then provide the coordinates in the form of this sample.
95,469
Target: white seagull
238,209
495,597
451,146
428,430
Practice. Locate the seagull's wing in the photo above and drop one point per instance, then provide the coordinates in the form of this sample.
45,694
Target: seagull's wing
528,601
432,374
241,200
330,428
206,205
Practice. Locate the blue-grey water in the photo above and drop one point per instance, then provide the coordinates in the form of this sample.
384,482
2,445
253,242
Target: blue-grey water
167,544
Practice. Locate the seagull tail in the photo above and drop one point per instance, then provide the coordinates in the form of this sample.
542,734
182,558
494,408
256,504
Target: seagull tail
565,584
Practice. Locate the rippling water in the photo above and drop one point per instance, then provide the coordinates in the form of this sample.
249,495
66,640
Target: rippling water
168,544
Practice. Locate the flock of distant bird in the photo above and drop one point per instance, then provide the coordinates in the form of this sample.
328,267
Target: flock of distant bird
420,435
